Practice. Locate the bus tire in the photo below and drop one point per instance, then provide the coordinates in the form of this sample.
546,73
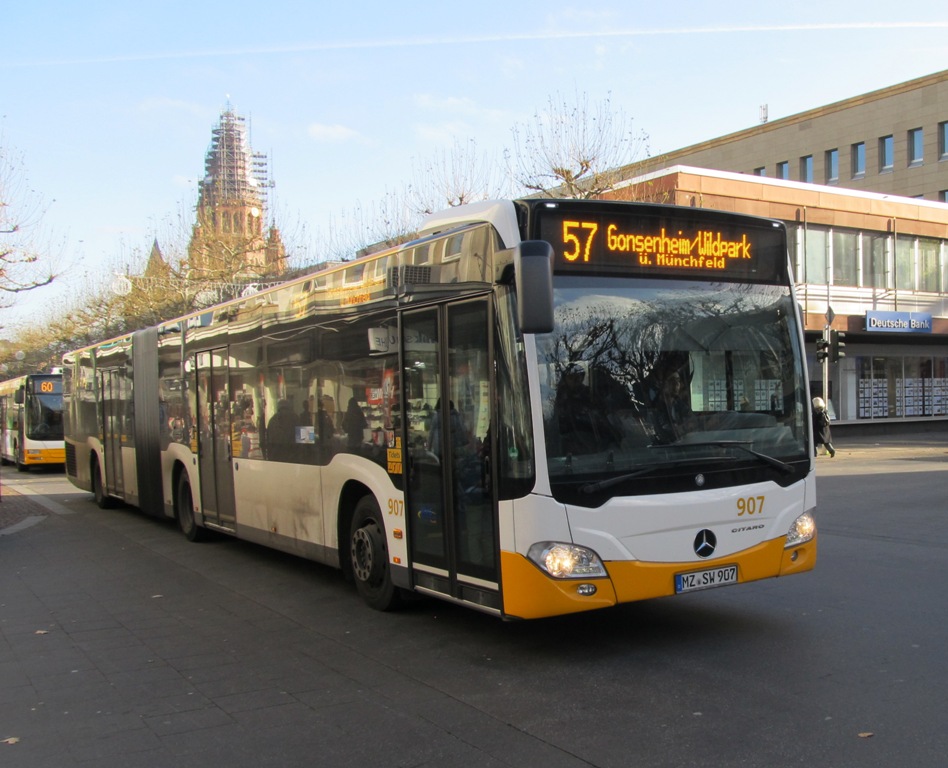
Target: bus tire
368,557
184,509
102,499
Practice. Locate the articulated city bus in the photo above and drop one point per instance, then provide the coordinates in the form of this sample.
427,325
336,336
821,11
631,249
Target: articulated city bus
534,408
31,420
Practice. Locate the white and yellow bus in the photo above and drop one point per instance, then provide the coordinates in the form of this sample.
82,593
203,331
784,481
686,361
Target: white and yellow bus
31,420
536,407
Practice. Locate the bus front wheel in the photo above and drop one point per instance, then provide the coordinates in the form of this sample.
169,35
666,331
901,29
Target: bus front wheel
368,555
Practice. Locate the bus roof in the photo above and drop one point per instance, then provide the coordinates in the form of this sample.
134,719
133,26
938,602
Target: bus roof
502,214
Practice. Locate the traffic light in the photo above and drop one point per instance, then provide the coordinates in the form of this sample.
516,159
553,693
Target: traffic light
836,346
822,349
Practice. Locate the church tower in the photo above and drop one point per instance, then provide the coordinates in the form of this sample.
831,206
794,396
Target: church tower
231,240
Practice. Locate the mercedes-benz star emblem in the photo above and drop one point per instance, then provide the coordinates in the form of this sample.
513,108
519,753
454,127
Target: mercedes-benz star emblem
705,542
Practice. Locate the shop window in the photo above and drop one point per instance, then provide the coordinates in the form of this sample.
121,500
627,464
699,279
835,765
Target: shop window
901,387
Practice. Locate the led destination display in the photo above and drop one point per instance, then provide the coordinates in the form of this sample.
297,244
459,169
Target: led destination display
702,244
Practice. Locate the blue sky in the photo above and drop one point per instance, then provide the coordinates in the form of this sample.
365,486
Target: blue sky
111,104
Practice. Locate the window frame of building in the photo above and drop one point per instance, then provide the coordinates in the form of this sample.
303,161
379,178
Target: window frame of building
905,263
762,171
831,161
876,259
886,153
943,140
901,386
858,153
916,146
929,269
806,169
816,254
783,170
844,256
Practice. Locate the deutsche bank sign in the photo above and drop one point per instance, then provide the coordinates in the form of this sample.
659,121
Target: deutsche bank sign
898,322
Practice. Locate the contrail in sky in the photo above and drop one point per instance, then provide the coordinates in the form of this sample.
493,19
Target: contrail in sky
420,42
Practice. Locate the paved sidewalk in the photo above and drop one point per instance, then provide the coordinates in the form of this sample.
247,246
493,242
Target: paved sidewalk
922,444
17,509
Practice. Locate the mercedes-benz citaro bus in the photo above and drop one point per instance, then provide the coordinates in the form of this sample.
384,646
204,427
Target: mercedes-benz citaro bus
31,420
536,407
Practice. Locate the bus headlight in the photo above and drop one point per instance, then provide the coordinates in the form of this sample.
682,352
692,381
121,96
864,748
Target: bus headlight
802,530
567,561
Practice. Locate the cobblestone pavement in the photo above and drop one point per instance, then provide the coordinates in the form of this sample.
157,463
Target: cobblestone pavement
16,509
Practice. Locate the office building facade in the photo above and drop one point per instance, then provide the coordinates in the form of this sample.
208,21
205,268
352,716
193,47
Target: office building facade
862,186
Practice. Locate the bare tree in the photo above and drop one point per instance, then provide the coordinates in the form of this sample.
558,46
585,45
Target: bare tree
574,149
454,177
25,261
367,228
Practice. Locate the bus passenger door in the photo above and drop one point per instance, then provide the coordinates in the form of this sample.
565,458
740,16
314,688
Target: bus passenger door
215,446
113,385
452,512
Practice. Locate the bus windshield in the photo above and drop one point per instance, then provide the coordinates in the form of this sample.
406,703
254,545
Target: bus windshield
44,417
653,377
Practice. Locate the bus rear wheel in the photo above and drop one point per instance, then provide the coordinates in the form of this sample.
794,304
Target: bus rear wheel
368,555
185,511
102,499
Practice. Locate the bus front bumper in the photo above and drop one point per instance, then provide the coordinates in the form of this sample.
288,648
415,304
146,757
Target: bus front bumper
529,593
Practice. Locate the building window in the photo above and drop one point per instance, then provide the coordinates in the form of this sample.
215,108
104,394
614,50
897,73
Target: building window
815,246
943,140
832,166
806,169
929,277
783,170
845,257
943,196
760,171
859,159
886,154
916,140
875,259
905,263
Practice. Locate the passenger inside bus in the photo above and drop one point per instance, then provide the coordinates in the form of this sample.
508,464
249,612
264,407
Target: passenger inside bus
672,416
584,426
281,433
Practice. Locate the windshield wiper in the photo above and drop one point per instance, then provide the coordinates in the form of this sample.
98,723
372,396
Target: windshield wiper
782,466
611,481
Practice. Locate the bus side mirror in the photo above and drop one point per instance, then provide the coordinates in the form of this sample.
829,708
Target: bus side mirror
19,396
533,270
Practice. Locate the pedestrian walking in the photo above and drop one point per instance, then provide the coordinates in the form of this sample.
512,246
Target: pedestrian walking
821,428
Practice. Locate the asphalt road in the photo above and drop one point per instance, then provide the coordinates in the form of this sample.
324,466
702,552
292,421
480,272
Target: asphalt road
121,644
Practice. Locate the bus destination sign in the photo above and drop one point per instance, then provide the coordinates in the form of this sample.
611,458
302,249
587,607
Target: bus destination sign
660,245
